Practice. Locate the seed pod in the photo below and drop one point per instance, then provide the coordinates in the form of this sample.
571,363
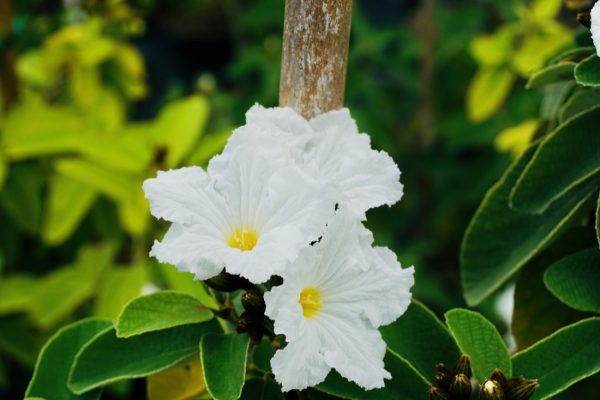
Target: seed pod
225,282
435,393
443,377
498,376
460,389
253,302
491,390
520,388
463,366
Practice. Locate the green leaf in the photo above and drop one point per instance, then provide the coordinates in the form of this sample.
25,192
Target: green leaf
569,355
261,389
532,299
421,339
551,74
59,293
107,359
67,203
567,157
572,54
21,196
179,126
262,355
581,101
208,147
3,169
500,240
574,280
182,382
185,282
16,293
587,72
160,310
223,359
118,286
54,362
406,383
19,340
598,220
487,92
479,339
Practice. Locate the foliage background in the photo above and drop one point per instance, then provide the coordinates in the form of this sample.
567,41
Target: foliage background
98,95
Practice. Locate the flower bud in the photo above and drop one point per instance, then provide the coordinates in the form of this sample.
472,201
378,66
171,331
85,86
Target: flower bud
498,376
443,377
520,388
252,325
585,19
253,302
460,389
225,282
435,393
491,390
463,366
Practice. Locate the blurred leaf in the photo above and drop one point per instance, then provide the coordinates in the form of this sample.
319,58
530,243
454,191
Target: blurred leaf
16,293
598,220
185,282
262,355
208,146
551,74
536,49
487,92
569,355
532,299
223,360
516,138
495,49
179,126
114,185
421,339
545,9
84,86
500,240
573,54
134,212
158,311
19,340
21,196
587,72
68,201
4,165
261,389
574,280
54,362
59,294
567,157
479,339
118,286
406,383
183,382
578,103
106,358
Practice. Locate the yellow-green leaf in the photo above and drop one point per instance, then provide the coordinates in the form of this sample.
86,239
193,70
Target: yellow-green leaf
16,293
183,382
118,286
516,138
487,92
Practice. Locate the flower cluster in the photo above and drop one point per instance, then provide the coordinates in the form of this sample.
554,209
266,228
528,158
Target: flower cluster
287,197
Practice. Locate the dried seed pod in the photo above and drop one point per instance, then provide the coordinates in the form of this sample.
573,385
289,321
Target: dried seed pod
443,377
436,393
460,388
463,366
253,302
498,376
519,388
491,390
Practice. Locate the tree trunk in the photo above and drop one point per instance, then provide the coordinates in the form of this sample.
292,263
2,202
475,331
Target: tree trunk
315,55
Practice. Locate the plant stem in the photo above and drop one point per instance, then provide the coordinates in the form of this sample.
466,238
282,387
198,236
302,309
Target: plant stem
316,35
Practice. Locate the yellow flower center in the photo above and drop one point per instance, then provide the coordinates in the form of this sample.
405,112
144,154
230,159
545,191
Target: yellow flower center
310,300
243,238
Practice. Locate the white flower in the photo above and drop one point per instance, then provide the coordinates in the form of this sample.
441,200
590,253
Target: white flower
364,178
252,218
595,17
330,305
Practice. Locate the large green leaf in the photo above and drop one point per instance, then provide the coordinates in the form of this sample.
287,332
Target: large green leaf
160,310
569,355
565,158
107,358
587,73
579,102
421,339
118,286
67,203
479,339
261,389
406,383
532,299
500,240
54,362
179,126
223,360
575,278
551,74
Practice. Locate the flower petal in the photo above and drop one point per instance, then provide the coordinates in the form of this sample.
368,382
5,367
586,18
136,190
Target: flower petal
595,27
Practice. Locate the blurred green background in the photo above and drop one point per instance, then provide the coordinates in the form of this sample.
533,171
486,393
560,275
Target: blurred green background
99,95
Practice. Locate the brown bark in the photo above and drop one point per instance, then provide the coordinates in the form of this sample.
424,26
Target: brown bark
315,55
